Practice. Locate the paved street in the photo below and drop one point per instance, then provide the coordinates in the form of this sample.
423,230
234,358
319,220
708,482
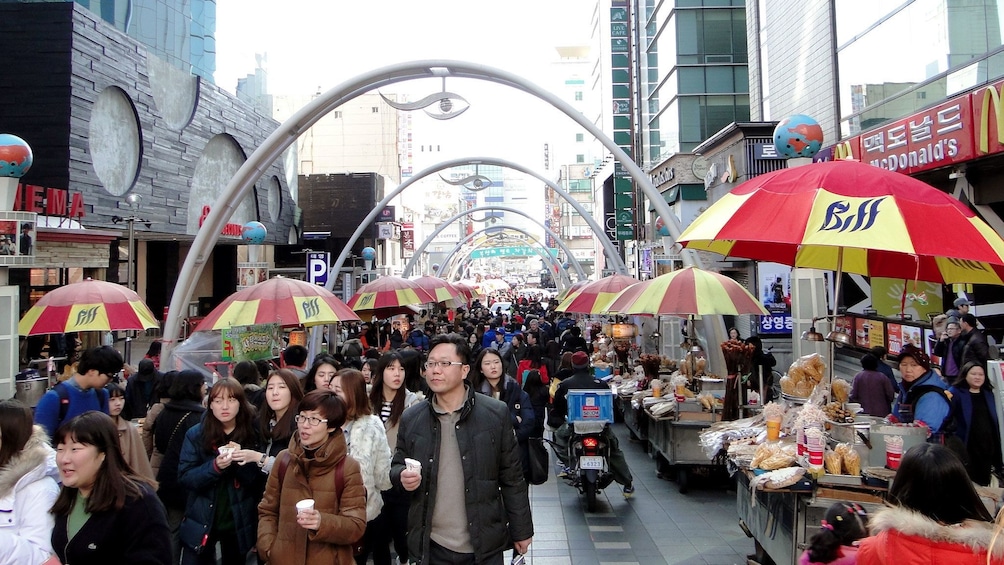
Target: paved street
656,526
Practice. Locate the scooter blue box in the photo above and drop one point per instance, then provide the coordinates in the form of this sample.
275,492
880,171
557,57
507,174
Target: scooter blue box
590,406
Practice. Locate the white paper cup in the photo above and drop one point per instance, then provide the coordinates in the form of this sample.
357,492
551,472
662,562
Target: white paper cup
413,464
304,505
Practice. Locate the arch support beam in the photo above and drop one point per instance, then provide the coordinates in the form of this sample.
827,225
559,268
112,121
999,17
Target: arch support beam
460,244
538,248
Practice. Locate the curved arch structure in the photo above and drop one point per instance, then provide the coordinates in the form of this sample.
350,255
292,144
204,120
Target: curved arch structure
456,249
608,246
447,222
286,134
537,246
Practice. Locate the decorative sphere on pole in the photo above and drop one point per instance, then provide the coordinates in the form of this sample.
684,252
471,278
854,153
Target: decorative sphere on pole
798,136
369,254
15,156
254,233
435,267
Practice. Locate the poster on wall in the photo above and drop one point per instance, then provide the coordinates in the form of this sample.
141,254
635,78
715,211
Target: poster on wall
901,336
774,290
250,274
922,299
17,238
930,342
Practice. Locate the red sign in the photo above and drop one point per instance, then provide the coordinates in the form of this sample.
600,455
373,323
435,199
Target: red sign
408,236
49,201
234,230
937,137
988,119
900,336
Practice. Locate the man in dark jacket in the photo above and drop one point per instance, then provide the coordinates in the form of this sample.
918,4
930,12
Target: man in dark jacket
972,345
581,379
471,502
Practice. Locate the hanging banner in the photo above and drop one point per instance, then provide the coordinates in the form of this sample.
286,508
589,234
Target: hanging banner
252,343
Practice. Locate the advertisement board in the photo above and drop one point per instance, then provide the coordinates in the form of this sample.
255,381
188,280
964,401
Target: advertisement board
251,343
17,238
901,335
774,290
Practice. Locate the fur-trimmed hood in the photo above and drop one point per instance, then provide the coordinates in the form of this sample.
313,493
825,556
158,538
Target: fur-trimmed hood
35,461
974,534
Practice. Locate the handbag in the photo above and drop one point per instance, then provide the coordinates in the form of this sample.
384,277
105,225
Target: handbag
539,461
358,546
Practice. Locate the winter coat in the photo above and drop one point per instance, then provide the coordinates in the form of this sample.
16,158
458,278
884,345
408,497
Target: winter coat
497,503
418,340
904,537
139,395
525,365
281,540
137,533
368,446
520,408
28,487
170,428
197,472
962,411
132,449
931,407
410,399
971,347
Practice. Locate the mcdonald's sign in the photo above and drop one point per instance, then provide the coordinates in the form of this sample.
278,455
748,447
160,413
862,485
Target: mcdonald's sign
989,119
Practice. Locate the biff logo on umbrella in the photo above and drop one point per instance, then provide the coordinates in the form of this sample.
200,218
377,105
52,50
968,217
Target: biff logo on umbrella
310,308
85,317
839,216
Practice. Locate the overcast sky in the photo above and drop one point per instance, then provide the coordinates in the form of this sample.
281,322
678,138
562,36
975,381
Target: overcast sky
320,43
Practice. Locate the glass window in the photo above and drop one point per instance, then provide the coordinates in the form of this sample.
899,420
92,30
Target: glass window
580,158
579,137
720,80
578,95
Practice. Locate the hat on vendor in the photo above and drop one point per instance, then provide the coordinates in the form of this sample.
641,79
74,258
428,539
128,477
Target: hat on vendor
917,354
580,360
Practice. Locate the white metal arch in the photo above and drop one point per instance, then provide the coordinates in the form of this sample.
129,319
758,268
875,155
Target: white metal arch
287,133
537,246
460,244
447,222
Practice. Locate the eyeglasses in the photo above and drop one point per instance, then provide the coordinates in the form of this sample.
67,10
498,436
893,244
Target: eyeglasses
300,418
430,365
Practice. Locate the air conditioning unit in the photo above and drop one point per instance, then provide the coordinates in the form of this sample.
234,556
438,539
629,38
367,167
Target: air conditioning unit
711,59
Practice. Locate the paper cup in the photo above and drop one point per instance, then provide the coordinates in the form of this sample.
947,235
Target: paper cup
893,451
226,451
773,430
304,505
413,464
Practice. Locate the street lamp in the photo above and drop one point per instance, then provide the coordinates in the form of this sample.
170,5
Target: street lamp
133,202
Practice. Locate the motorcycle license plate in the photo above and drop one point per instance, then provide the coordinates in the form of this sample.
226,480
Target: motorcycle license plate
591,462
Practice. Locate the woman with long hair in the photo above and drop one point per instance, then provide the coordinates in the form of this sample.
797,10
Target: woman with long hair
28,487
937,515
283,394
105,513
320,374
411,361
367,441
316,466
129,439
389,399
223,489
488,377
974,413
537,391
182,411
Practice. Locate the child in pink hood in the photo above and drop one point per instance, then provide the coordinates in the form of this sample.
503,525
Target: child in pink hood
836,541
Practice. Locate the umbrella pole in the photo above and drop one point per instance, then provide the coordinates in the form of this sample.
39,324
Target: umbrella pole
836,305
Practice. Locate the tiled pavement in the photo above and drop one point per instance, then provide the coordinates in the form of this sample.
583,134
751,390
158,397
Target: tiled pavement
658,525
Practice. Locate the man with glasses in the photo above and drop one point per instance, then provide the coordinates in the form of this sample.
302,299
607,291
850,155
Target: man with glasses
470,501
944,349
82,392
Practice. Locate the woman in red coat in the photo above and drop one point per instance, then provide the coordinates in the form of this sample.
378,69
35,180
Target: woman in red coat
938,517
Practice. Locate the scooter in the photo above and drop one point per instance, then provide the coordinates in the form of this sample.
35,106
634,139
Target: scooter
587,457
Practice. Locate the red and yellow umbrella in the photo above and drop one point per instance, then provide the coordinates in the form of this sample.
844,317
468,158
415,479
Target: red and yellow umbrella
593,298
440,289
388,293
88,305
288,302
469,292
852,217
689,291
571,290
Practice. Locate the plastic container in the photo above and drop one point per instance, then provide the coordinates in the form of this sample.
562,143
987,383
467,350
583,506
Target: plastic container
590,406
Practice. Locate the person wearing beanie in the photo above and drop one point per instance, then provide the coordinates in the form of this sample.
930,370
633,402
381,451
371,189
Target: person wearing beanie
924,396
582,379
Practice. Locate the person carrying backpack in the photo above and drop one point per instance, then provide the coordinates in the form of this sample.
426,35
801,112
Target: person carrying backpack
418,340
82,392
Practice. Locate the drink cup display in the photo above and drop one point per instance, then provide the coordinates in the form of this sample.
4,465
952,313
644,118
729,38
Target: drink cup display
657,388
814,447
893,451
773,429
304,505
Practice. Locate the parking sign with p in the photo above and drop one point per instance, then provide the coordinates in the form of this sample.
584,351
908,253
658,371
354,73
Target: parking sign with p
317,268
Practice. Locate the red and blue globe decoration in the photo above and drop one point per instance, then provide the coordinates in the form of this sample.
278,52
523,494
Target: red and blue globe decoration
798,136
254,233
15,156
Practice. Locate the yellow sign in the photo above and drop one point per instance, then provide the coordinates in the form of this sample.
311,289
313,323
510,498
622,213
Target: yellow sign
990,96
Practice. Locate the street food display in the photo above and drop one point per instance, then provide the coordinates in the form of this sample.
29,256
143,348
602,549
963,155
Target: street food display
803,376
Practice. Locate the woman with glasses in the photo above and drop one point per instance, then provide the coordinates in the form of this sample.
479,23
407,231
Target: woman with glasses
320,374
223,489
316,467
367,443
389,399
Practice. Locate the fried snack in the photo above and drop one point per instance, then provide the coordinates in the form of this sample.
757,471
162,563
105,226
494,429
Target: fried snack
702,364
852,462
842,449
787,385
779,460
763,451
803,389
840,390
833,461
